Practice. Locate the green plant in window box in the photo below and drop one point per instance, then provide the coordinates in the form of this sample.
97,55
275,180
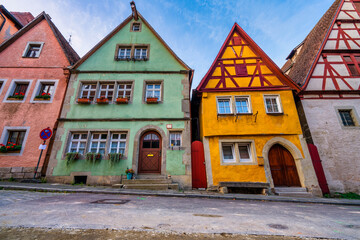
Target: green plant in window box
93,157
10,147
71,157
17,96
114,157
43,97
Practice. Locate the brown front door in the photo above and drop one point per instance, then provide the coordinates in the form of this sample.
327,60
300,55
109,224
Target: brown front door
283,168
150,153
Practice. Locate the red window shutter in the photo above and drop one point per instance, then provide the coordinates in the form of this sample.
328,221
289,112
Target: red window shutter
240,70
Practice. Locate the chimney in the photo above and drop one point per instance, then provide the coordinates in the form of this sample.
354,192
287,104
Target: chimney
134,11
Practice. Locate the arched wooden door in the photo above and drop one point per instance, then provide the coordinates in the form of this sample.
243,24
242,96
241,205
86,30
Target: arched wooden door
283,168
150,153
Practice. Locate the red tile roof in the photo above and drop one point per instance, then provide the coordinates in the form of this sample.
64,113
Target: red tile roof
23,17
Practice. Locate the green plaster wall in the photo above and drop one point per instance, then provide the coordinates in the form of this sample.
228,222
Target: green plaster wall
174,165
160,58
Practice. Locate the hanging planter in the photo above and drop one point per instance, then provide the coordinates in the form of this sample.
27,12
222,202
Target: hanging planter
84,100
114,157
152,100
122,100
93,157
102,100
71,157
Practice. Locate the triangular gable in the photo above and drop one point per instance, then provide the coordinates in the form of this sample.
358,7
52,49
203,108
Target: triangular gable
241,65
69,52
116,30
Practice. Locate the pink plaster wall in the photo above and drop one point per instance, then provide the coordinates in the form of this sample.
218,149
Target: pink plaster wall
37,116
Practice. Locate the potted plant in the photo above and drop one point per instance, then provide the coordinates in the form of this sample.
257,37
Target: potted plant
152,100
93,157
129,173
84,100
17,96
43,97
122,100
114,157
102,100
71,157
10,147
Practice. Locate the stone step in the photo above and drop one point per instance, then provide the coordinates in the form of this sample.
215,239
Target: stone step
172,186
290,189
295,194
146,181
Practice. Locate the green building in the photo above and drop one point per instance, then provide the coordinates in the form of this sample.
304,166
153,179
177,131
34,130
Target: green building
126,106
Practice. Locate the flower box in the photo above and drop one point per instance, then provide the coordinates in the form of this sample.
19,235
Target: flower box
10,148
152,100
43,97
16,98
122,100
84,100
72,157
102,100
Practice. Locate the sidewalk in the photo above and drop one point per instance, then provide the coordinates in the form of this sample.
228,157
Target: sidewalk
55,187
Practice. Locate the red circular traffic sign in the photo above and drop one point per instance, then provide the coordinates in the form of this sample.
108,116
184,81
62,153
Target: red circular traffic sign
45,134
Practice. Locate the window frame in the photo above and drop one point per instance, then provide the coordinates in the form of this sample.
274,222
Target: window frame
12,87
5,136
99,141
353,63
132,26
27,48
132,52
278,103
353,113
131,82
119,140
37,89
80,95
141,47
248,98
70,140
150,82
230,105
175,131
107,90
235,143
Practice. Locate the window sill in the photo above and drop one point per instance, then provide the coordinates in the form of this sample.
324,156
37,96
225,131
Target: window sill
238,163
275,114
30,57
225,114
244,113
83,101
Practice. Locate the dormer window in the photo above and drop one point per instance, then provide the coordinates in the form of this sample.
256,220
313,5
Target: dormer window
33,49
136,27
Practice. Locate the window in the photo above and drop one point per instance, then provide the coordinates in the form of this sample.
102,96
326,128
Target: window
124,90
16,137
98,143
106,91
88,91
118,143
124,53
272,104
224,106
346,117
237,152
1,84
242,105
135,27
33,49
153,91
19,91
140,53
78,142
352,62
175,139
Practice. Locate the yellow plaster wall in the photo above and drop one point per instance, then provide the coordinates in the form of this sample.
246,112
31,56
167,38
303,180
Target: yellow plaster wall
243,173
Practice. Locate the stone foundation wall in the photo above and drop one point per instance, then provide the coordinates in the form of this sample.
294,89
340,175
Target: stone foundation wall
19,172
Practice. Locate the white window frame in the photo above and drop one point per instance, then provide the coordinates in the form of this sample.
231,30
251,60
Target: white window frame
12,87
153,90
118,141
124,90
5,136
90,90
107,90
142,49
98,141
353,113
27,48
228,161
172,133
222,99
37,89
127,49
248,99
78,141
235,143
278,103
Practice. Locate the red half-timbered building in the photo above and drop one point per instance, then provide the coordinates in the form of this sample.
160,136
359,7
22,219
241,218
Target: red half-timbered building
326,66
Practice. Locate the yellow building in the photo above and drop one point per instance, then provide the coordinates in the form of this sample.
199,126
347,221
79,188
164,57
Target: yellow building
249,124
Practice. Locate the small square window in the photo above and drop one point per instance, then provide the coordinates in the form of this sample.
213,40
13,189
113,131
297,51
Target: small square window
347,117
153,91
136,27
124,90
237,152
242,105
45,92
19,91
224,106
78,142
118,143
244,152
228,153
140,53
352,62
98,143
106,91
272,104
88,91
175,139
16,137
124,53
33,49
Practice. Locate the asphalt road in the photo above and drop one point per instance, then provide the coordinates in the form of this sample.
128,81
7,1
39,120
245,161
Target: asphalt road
176,215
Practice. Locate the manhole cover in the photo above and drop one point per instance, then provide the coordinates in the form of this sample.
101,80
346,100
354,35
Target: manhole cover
353,226
111,201
206,215
277,226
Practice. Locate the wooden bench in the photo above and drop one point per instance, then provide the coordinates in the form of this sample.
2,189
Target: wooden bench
244,187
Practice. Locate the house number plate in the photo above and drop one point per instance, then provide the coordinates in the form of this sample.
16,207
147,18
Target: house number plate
150,155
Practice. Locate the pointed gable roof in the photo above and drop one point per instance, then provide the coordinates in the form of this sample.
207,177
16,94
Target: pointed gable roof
70,53
241,65
11,16
313,45
23,17
117,29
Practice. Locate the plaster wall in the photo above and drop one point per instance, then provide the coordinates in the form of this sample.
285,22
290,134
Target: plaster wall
8,28
337,145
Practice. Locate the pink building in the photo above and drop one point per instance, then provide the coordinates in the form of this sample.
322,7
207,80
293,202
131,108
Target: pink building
33,81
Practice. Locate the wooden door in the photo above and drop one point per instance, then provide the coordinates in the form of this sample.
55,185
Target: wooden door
283,168
198,165
150,153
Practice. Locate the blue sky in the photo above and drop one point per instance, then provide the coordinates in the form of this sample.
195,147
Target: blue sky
194,29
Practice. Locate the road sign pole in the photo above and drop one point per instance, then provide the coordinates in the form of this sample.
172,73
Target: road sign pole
37,166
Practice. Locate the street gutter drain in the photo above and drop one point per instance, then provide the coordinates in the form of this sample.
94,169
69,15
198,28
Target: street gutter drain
111,201
277,226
